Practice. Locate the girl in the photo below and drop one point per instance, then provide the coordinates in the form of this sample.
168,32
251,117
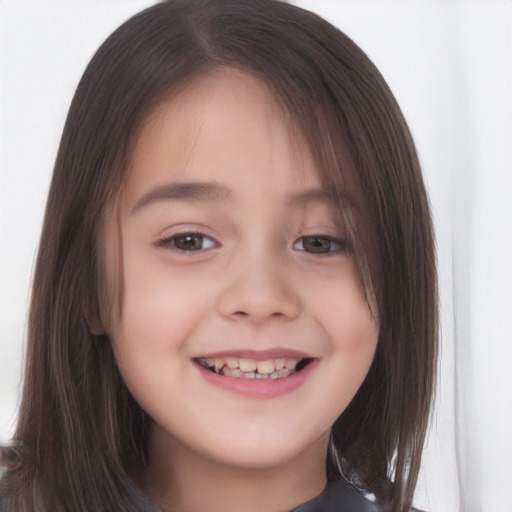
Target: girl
234,302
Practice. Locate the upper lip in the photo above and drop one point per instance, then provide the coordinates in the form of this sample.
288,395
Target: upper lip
260,355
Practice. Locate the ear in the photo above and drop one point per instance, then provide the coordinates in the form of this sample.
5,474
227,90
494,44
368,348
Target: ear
96,327
93,319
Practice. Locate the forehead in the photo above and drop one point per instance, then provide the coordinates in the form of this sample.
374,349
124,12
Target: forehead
226,126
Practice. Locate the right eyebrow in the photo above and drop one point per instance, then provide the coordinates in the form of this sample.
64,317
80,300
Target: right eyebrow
184,191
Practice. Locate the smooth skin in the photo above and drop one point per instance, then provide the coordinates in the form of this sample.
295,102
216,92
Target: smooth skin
225,264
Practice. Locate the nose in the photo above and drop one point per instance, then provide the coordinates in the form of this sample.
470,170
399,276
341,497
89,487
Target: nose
259,289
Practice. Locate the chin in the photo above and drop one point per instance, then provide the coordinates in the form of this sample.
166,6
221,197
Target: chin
256,454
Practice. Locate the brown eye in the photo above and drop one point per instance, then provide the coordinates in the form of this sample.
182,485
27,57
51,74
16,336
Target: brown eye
188,242
319,244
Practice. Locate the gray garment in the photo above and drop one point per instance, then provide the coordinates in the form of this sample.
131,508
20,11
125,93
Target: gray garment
338,496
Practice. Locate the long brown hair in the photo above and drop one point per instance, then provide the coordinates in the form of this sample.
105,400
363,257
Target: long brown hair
82,432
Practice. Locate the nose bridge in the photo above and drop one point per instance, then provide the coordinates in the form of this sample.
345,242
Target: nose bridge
259,287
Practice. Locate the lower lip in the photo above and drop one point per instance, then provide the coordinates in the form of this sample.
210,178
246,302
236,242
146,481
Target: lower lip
259,388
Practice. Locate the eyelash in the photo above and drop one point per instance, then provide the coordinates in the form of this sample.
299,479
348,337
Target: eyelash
171,241
340,244
326,245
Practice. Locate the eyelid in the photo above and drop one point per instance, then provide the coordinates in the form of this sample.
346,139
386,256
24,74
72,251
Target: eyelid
340,243
168,242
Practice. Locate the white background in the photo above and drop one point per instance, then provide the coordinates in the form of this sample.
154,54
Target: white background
450,65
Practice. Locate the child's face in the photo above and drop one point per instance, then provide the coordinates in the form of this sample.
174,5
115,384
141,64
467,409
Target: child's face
242,267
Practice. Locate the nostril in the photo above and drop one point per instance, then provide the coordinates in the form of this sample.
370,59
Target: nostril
244,314
258,302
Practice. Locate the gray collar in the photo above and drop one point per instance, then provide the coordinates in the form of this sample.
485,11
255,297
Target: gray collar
338,496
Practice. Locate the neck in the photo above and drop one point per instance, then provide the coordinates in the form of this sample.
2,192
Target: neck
180,480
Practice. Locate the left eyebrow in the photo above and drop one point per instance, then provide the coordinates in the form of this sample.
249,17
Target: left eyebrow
184,191
322,196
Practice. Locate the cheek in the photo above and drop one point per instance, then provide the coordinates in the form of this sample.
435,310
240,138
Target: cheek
160,304
352,333
157,315
344,312
354,337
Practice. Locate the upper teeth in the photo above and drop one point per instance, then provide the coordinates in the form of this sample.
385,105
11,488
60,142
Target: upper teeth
251,368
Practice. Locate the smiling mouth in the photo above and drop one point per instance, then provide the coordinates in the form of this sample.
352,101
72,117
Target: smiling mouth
244,368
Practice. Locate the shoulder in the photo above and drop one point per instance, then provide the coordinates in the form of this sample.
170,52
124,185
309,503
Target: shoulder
339,496
141,502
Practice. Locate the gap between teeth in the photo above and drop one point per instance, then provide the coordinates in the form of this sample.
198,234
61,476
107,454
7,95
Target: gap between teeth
251,368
